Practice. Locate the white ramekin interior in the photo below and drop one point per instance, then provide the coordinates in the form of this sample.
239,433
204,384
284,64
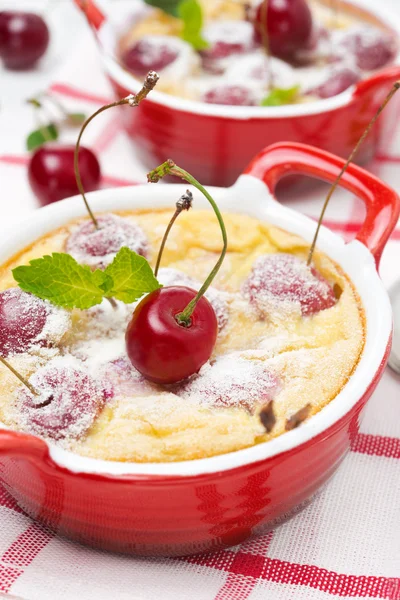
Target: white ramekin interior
106,38
252,197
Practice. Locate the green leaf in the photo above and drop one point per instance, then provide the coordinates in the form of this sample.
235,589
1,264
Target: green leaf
168,6
191,13
75,119
61,280
37,138
132,276
280,96
103,281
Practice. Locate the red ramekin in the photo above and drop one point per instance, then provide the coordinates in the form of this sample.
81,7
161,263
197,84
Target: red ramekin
215,142
196,506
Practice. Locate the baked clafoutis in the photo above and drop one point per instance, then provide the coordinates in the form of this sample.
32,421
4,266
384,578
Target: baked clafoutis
289,338
255,53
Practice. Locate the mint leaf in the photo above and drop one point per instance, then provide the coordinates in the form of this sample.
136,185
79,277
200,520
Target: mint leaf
103,281
280,96
132,276
191,13
168,6
61,280
37,138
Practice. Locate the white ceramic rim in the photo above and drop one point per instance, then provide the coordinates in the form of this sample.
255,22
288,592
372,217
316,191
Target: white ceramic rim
354,258
128,82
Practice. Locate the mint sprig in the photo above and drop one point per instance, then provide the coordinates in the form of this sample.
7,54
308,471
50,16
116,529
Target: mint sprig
281,96
191,13
64,282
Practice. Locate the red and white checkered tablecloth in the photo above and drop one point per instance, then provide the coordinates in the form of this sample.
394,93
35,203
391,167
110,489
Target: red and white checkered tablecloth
346,544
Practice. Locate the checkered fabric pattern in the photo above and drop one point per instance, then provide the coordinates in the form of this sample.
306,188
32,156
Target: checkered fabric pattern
346,544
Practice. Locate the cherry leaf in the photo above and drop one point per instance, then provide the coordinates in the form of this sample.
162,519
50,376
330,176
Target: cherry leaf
37,138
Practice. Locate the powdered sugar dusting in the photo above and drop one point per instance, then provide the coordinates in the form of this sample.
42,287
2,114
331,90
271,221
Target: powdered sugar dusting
98,247
125,379
29,324
68,400
232,381
284,283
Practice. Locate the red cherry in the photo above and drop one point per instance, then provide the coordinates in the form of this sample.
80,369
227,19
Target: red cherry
372,48
232,381
288,23
149,54
24,38
27,321
233,95
97,247
69,400
339,79
52,176
161,349
285,282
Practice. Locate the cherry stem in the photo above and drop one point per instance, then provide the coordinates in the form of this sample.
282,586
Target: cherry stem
42,128
112,302
20,377
390,95
132,100
184,203
170,168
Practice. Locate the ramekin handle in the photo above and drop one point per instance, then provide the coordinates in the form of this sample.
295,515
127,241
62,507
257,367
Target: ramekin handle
378,84
93,13
381,202
13,443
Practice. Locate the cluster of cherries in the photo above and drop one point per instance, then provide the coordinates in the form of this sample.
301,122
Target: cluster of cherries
286,29
24,39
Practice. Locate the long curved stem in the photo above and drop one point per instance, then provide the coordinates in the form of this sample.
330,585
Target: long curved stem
22,379
76,154
170,168
184,203
132,100
390,95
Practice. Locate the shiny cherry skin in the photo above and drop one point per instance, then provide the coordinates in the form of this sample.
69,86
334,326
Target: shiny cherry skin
161,349
51,172
289,26
24,38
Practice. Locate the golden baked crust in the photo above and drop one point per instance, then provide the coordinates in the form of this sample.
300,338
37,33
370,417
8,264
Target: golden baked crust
313,357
